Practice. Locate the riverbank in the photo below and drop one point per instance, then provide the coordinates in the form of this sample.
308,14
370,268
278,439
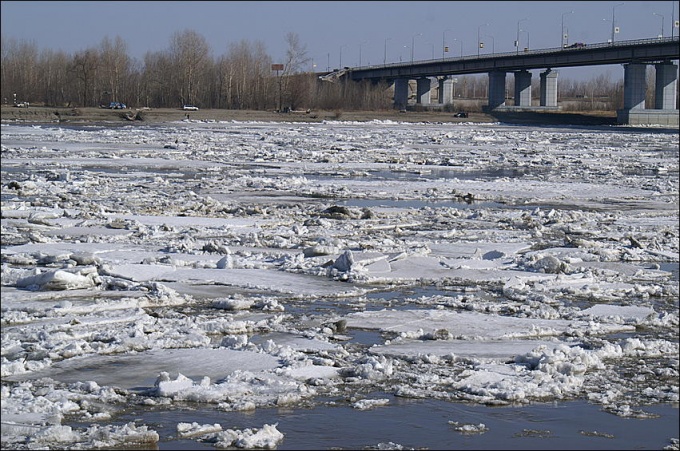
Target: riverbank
39,114
160,115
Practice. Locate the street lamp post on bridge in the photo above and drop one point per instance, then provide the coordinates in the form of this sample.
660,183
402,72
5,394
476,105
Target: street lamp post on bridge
518,30
461,46
431,45
493,43
444,41
614,28
405,47
385,54
564,35
413,43
660,15
479,43
362,42
341,47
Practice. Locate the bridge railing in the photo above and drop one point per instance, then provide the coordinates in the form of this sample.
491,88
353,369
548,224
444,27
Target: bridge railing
526,52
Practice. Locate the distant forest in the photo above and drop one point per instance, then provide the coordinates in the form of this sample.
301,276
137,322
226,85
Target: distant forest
241,79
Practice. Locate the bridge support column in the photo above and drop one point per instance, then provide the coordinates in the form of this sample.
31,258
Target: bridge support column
496,89
423,86
523,88
548,88
445,90
401,93
666,82
634,86
634,90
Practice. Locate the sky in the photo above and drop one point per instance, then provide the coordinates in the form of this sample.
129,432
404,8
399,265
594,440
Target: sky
337,34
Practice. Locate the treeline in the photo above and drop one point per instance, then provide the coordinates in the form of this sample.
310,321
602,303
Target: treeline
184,73
187,73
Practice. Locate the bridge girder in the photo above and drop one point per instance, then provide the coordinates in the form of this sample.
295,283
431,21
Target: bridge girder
648,51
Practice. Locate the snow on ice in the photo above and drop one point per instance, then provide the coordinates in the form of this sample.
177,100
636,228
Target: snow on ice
495,264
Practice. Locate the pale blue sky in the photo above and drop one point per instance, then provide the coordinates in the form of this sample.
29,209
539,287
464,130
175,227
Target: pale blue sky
335,33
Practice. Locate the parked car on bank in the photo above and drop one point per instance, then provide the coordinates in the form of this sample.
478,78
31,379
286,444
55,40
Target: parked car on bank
461,114
115,106
190,108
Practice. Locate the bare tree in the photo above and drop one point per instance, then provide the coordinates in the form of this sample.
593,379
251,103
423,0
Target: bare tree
244,76
54,85
190,55
19,70
157,80
84,67
294,88
115,67
262,86
134,85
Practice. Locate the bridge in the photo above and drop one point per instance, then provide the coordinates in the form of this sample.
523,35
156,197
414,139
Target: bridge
635,56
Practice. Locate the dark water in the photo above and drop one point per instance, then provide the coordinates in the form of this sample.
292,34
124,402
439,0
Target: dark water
424,424
673,268
368,203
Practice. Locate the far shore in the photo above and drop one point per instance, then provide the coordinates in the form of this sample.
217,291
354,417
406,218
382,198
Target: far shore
41,114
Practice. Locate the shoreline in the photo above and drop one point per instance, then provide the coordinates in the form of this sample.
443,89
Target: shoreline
40,114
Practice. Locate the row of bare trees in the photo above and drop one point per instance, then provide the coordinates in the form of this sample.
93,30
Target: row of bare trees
187,73
184,73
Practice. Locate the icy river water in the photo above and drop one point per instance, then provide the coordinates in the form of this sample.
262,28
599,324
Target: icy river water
339,285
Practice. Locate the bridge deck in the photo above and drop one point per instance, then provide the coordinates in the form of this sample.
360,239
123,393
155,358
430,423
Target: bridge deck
643,51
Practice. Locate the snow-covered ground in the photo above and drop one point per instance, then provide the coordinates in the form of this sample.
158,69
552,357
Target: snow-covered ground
245,266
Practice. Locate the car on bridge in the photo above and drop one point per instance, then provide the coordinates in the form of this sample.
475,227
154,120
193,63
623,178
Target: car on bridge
575,45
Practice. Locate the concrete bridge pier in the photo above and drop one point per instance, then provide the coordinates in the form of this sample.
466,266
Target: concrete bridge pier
401,93
549,88
523,88
634,111
446,90
634,86
423,86
496,90
666,82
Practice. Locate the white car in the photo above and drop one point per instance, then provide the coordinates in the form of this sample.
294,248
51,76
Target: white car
190,108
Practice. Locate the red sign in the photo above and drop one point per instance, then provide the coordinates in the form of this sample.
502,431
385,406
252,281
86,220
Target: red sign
277,66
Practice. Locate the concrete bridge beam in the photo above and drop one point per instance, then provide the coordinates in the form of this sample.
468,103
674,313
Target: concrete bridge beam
666,82
523,88
548,88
